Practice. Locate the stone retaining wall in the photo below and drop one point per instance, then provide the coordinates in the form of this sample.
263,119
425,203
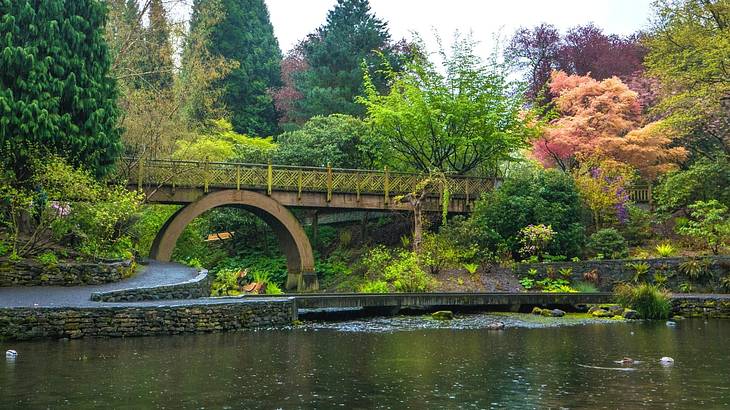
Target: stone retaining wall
614,271
33,273
198,287
701,306
74,323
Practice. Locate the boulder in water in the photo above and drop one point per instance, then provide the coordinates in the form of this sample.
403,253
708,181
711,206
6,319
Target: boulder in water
442,315
495,326
630,314
666,361
536,311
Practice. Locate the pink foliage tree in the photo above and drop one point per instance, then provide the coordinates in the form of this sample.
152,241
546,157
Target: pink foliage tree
603,118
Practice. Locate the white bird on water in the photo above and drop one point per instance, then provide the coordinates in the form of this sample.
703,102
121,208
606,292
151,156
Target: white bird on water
11,354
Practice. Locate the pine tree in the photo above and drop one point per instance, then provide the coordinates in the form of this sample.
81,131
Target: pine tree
159,49
55,93
245,35
335,53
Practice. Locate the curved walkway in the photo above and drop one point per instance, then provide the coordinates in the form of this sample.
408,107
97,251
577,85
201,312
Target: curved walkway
153,274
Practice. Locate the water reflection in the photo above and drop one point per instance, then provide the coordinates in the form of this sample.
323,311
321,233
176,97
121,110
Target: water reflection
327,365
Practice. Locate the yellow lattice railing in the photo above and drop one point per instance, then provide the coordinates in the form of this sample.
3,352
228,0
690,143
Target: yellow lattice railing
219,175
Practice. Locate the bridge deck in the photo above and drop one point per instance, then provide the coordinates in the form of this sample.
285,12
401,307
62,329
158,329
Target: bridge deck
404,300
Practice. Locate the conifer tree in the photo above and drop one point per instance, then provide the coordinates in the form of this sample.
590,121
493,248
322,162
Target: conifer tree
55,93
245,35
159,66
335,54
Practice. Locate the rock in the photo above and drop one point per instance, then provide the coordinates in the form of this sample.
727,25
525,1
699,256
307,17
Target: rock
617,317
442,315
536,311
546,313
592,309
677,318
495,326
630,314
601,313
558,313
666,361
581,308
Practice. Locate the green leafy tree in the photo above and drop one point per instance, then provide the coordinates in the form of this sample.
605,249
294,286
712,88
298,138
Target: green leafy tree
710,223
335,54
463,120
339,140
689,51
245,35
55,93
219,143
704,180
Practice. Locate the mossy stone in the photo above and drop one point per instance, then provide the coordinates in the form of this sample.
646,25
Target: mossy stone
442,315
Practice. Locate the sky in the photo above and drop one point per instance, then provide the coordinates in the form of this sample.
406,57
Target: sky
294,19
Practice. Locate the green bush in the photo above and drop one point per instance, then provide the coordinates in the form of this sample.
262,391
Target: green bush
651,301
401,271
585,287
48,258
406,275
704,180
438,252
710,223
638,228
533,197
609,243
374,286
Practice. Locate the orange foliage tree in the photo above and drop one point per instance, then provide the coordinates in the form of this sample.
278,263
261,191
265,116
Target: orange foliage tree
603,118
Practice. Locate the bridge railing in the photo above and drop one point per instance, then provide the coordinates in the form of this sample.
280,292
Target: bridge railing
224,175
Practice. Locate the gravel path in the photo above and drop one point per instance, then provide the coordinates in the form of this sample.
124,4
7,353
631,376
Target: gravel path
154,274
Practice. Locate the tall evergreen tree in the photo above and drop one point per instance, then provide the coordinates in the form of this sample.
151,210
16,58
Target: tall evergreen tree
159,47
55,93
335,54
245,35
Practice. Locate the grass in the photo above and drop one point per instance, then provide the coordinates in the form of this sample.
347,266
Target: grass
651,301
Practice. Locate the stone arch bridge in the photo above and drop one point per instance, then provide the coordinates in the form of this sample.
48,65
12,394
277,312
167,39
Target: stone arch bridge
269,191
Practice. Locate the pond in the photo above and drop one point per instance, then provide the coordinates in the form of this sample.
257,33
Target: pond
401,362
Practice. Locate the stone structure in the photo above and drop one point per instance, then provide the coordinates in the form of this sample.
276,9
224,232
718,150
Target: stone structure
611,272
198,287
144,320
33,273
711,306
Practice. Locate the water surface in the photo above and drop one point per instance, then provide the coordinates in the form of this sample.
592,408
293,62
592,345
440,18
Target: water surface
382,363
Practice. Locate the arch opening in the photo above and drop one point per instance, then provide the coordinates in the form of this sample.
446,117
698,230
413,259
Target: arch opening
287,229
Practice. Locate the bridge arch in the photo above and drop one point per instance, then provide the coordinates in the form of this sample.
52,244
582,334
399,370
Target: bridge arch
286,227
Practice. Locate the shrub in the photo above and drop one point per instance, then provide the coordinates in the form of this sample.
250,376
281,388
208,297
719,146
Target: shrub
48,258
710,223
640,270
406,276
695,268
703,180
585,287
533,197
438,252
638,228
609,243
374,286
665,250
535,239
651,301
